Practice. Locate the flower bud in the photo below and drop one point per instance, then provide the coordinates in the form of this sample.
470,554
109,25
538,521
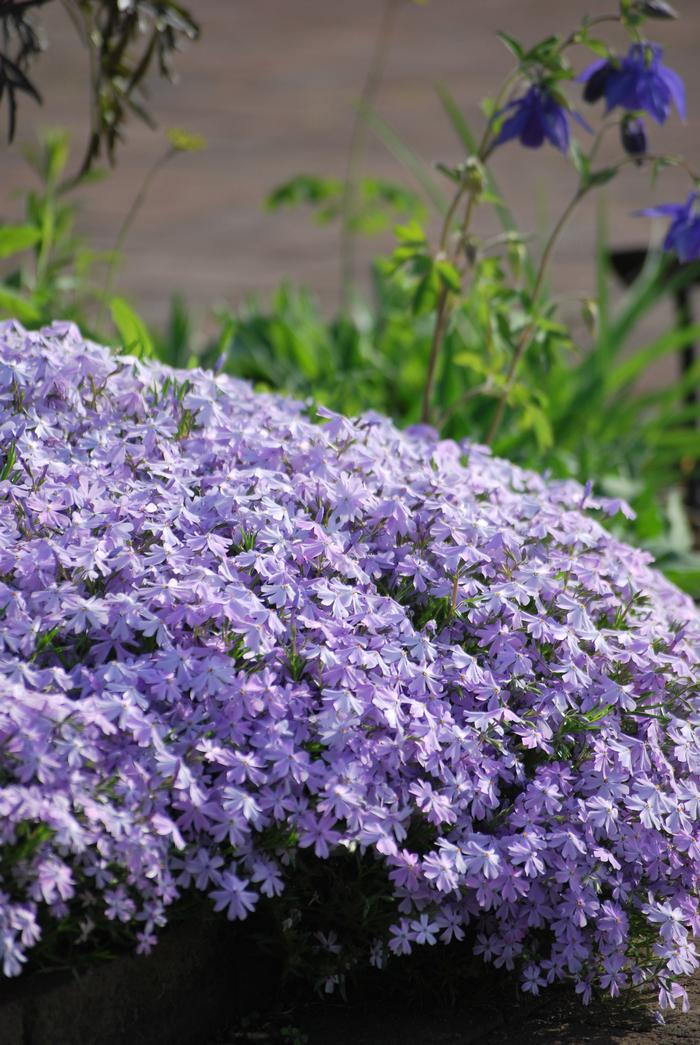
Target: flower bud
633,136
515,252
654,9
590,315
473,176
596,84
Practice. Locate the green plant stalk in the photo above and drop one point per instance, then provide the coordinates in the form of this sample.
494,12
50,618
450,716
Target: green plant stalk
93,144
442,312
529,330
357,149
131,216
443,304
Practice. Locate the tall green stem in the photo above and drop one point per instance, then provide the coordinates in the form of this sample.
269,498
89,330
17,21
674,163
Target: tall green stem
442,314
526,336
356,151
131,216
443,303
442,308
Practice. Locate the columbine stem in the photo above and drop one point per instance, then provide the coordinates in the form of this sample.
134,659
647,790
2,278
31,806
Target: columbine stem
435,345
442,314
442,310
443,303
529,330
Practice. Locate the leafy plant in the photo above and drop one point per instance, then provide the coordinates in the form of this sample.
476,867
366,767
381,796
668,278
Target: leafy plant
126,41
378,201
52,273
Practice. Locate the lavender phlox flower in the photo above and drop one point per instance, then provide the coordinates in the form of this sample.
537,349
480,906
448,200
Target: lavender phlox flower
233,896
533,980
482,859
401,938
225,649
53,880
424,930
119,904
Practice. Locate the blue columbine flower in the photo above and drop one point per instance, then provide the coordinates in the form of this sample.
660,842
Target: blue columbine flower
535,118
640,82
683,236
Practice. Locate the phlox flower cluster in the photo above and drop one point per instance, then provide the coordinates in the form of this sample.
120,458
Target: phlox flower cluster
230,634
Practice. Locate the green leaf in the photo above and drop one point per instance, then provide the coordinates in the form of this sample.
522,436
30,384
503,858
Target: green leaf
57,152
453,173
488,107
408,158
644,357
304,189
412,234
580,161
598,47
15,238
449,275
596,714
10,460
601,177
512,44
132,330
184,141
427,287
375,203
18,306
472,360
545,52
534,417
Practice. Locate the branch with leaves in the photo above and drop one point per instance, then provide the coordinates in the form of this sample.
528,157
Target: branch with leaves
127,41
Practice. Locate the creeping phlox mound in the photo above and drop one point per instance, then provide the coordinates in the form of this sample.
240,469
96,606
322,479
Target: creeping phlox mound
229,633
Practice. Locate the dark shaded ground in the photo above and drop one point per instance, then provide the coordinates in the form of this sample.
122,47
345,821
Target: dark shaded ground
210,982
492,1014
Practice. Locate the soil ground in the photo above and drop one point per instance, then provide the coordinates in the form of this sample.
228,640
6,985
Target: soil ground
496,1016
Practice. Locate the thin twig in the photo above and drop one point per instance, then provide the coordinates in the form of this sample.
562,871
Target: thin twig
529,330
357,149
443,304
131,215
